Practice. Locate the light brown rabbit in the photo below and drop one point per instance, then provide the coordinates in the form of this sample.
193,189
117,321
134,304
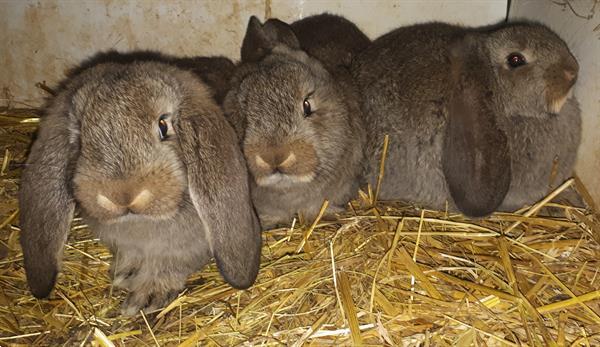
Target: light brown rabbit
156,170
478,117
299,123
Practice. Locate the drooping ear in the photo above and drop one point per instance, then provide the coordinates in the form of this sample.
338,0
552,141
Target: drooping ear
476,157
219,189
45,200
261,38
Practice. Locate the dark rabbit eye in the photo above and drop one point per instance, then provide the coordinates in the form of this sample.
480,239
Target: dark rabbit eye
306,106
516,60
163,127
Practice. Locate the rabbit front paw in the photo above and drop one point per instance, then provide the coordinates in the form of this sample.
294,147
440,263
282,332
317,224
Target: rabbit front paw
147,300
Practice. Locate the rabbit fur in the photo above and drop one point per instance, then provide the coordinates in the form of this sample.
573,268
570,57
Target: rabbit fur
331,39
163,207
465,126
215,71
296,160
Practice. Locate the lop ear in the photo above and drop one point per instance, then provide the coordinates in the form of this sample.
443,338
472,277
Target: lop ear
218,186
475,158
45,200
261,38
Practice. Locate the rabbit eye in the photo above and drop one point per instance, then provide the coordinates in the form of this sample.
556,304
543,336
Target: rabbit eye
515,60
307,108
163,127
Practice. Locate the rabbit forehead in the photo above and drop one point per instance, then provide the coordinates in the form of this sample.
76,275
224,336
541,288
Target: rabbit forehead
277,92
535,42
125,100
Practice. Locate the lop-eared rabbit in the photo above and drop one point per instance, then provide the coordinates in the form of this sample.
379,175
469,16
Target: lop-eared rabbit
146,154
479,117
297,114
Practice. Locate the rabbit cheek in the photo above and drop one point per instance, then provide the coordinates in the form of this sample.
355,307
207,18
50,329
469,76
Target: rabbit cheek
291,163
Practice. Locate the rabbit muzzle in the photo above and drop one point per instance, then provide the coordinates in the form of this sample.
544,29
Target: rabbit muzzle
110,201
282,165
560,80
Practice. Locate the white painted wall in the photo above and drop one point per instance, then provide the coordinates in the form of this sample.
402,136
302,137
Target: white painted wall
579,26
41,39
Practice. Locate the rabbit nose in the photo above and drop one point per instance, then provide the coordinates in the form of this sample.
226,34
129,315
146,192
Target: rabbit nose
118,203
278,161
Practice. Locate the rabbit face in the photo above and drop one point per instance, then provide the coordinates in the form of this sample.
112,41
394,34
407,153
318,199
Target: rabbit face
128,165
297,122
534,69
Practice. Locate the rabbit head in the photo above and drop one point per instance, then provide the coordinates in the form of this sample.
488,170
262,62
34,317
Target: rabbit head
299,123
128,162
296,120
532,67
133,141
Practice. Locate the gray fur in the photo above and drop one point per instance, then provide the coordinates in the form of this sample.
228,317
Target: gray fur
44,183
265,107
100,139
408,78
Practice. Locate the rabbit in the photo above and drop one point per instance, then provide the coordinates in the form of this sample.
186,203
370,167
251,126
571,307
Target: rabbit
481,118
299,125
156,171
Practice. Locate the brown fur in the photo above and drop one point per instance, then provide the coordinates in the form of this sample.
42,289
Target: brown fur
214,71
332,39
304,160
265,37
163,207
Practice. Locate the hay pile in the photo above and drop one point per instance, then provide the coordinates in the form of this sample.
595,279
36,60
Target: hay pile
391,275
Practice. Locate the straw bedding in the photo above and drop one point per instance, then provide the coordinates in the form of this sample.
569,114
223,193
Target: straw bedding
379,274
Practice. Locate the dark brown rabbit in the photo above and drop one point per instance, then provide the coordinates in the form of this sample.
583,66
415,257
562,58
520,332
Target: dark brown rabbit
331,39
479,117
299,123
214,71
156,170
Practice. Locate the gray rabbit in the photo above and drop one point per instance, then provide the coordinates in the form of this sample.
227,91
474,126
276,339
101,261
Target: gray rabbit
297,114
479,117
156,170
